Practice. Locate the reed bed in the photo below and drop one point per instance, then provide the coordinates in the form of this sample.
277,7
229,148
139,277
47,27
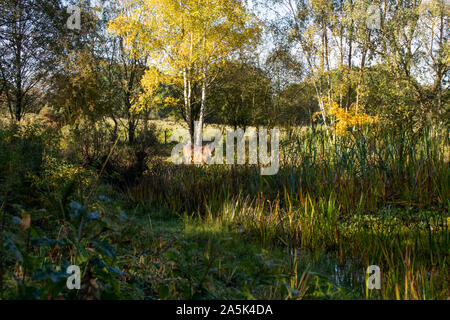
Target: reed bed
372,197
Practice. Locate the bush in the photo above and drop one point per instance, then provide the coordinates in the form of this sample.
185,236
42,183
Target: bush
21,154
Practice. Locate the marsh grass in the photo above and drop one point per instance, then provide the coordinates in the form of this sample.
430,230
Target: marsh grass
376,196
373,197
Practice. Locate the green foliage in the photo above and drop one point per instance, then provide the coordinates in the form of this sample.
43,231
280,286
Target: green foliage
240,96
86,181
21,154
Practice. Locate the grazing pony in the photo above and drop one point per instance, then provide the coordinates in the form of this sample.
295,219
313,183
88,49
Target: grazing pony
199,157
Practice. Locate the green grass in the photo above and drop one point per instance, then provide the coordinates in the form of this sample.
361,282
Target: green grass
375,197
372,198
219,261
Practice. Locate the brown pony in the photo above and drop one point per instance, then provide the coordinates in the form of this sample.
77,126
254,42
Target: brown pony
200,157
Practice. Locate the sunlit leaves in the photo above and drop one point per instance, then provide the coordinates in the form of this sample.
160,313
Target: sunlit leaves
184,38
345,119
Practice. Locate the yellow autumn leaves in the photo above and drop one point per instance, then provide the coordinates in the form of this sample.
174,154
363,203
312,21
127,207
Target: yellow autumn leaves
345,119
182,39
